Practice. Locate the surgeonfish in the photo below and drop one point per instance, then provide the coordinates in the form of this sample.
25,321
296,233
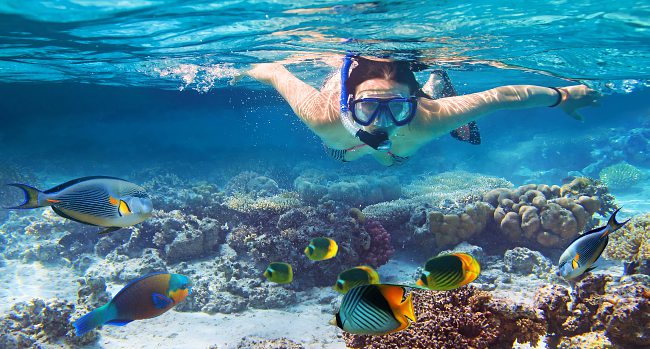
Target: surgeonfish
375,310
102,201
279,272
143,298
450,271
582,252
320,249
361,275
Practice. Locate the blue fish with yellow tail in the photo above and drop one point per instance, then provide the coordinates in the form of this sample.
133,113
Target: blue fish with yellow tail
578,258
375,310
144,298
102,201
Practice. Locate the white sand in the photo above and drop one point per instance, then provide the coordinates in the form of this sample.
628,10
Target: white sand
302,324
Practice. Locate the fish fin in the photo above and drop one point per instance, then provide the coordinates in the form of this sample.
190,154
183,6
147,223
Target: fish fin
90,321
471,268
75,181
109,230
118,322
65,215
161,301
613,224
406,308
31,197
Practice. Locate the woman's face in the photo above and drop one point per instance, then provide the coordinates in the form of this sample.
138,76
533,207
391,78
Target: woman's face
381,88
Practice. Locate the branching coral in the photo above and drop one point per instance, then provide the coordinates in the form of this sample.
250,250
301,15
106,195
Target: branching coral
276,204
632,242
621,176
463,318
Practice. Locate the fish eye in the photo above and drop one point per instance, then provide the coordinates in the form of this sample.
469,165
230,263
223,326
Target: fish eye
339,284
423,278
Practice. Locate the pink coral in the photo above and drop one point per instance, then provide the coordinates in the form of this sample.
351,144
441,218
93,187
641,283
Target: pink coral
380,249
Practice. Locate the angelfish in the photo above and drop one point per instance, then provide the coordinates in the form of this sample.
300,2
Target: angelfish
102,201
578,258
143,298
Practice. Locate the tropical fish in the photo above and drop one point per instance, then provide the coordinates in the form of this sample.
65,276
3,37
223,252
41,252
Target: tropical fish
320,249
102,201
279,272
448,272
144,298
582,252
361,275
375,310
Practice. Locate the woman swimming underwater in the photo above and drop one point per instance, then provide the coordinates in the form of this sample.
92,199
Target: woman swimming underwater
377,107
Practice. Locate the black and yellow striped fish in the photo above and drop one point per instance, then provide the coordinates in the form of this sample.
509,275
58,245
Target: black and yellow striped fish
448,272
103,201
353,277
375,310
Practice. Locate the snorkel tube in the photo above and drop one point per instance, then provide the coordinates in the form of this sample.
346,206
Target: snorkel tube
377,140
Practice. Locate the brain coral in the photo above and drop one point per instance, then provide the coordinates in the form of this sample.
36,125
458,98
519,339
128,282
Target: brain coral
632,242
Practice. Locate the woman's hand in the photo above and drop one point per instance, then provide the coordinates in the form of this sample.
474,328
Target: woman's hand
262,72
576,97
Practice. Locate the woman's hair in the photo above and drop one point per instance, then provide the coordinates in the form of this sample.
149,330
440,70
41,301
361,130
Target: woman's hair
398,71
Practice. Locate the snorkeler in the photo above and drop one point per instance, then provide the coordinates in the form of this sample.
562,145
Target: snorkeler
377,107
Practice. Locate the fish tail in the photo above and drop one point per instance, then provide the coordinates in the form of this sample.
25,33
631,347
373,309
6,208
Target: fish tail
91,320
32,197
614,224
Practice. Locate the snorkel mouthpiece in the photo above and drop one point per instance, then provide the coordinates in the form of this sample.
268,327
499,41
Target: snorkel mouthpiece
377,139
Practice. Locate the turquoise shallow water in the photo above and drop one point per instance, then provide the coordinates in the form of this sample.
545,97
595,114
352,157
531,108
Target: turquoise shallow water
142,90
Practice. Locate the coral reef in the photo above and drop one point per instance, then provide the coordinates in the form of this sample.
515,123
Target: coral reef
631,243
34,323
260,343
596,304
585,186
448,193
354,191
451,229
621,176
521,260
462,318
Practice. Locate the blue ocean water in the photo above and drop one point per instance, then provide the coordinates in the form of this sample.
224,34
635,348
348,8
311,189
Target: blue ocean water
120,88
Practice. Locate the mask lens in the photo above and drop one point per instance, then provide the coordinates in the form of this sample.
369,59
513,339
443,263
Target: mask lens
400,110
365,110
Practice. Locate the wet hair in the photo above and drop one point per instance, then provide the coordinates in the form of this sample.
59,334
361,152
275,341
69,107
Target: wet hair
398,71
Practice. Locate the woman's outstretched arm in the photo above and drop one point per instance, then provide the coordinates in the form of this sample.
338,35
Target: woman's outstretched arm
307,102
445,114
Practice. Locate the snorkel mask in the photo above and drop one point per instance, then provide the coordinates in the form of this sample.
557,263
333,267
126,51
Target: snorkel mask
378,139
